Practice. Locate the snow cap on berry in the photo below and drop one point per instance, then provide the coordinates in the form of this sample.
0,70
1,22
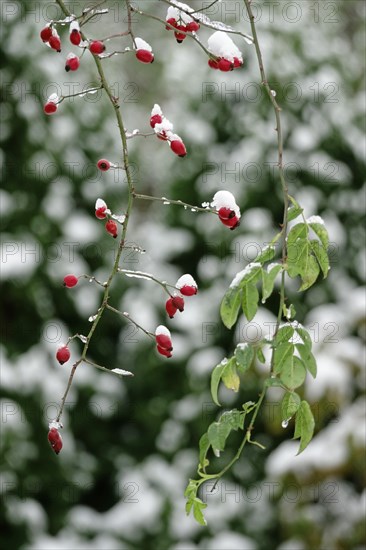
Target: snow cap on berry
225,199
140,44
221,45
187,285
164,129
74,26
176,13
101,209
156,110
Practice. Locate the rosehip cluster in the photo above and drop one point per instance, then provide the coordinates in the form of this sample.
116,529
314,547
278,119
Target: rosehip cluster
227,209
55,440
143,51
226,55
182,22
102,211
187,286
50,36
163,129
163,341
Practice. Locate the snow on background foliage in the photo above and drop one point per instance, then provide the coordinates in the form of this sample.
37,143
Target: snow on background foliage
130,445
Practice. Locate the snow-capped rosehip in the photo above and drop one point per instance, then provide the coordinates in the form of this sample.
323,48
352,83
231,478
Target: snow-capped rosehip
100,209
50,108
164,129
55,41
193,26
171,21
227,209
103,165
170,308
237,63
63,354
96,47
178,302
233,222
55,440
75,35
155,119
164,352
143,51
221,46
72,62
163,338
187,285
112,228
177,146
46,33
70,281
179,33
225,65
226,213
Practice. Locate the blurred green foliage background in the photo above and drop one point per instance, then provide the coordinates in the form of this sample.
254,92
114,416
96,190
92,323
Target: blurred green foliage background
130,446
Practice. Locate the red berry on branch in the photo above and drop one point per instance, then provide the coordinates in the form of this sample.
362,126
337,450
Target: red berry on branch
55,440
237,63
163,338
70,281
193,26
225,65
155,119
187,285
112,228
103,165
50,108
145,56
178,302
63,355
233,222
96,47
55,41
46,34
75,37
226,213
179,35
164,352
213,63
72,62
178,147
172,22
170,308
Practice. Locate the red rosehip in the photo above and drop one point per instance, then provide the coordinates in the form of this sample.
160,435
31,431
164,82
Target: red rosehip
50,108
96,47
170,308
55,440
155,119
179,35
237,62
46,34
163,338
63,355
178,147
100,213
231,222
193,26
213,63
55,43
187,285
145,56
70,281
178,302
225,65
103,165
112,228
172,22
187,290
72,63
226,213
75,37
164,352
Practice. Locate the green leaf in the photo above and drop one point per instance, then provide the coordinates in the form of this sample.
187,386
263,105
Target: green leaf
215,380
307,358
321,232
310,274
251,274
299,231
298,254
304,425
283,355
191,489
204,446
268,280
230,376
321,255
294,212
244,355
267,254
289,312
293,373
290,404
305,336
230,306
284,334
273,381
219,431
198,506
250,298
